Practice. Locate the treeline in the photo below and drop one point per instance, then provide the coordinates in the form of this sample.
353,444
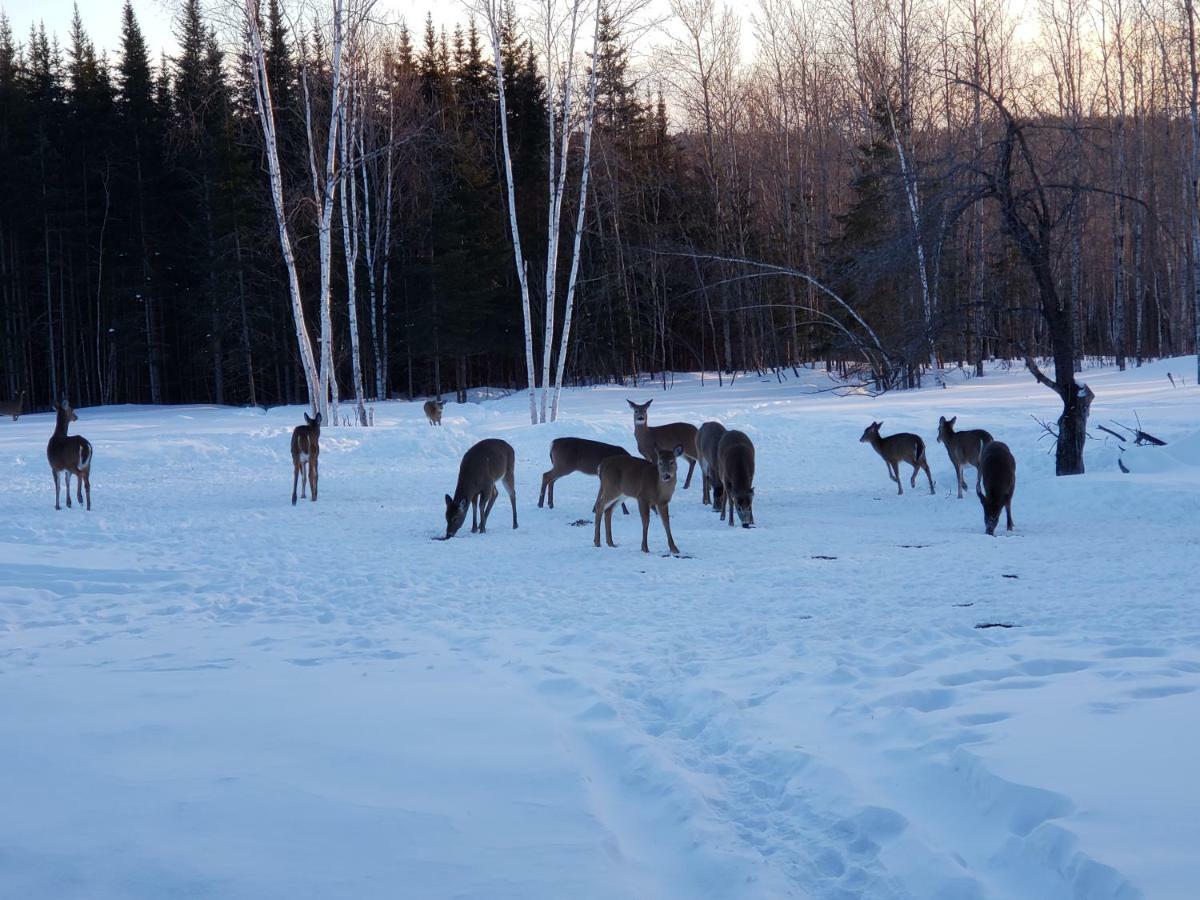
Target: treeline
833,201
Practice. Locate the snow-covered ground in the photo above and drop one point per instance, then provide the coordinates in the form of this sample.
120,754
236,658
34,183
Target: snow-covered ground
206,692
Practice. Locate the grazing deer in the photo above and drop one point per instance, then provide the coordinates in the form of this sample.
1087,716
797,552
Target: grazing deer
963,448
433,411
13,407
651,484
664,437
306,447
898,448
707,441
735,456
71,455
489,461
571,454
998,473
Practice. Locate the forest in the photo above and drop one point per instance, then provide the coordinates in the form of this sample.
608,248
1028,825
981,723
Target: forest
565,192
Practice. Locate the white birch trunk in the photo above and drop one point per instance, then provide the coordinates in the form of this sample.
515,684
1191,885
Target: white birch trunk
589,124
266,119
349,207
492,13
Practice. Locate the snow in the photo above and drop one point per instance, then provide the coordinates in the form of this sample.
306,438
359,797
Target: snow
206,692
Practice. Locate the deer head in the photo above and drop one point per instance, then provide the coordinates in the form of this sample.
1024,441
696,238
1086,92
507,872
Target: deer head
639,411
870,433
945,427
667,463
456,514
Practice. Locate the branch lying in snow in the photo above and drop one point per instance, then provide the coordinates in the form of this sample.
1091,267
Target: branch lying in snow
1119,437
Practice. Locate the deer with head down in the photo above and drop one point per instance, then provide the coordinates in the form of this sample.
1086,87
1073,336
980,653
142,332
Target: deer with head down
998,475
651,484
487,462
664,437
736,468
963,448
13,407
898,448
433,411
71,455
306,447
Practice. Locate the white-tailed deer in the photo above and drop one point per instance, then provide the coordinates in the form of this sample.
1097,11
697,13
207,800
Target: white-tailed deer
489,461
651,484
735,457
71,455
13,407
571,454
998,474
664,437
433,411
898,448
963,448
306,447
707,441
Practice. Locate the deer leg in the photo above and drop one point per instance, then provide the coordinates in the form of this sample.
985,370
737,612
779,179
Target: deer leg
54,475
691,465
547,484
474,505
79,486
598,509
313,476
303,480
67,485
928,474
644,509
87,482
1008,514
608,513
704,479
487,510
666,520
724,498
295,479
510,485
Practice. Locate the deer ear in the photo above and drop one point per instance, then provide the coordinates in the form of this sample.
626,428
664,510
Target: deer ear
308,420
449,500
631,403
318,419
647,403
952,420
941,420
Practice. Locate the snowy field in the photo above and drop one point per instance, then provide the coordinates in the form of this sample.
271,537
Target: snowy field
205,692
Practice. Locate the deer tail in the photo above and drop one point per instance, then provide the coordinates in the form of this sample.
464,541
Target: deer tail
85,455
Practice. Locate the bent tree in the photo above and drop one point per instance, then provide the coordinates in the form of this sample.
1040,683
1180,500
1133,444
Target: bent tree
1029,218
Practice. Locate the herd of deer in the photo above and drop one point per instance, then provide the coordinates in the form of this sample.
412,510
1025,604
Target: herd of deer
726,461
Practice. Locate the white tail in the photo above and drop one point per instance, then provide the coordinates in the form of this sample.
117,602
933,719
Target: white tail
897,448
963,448
71,455
651,484
306,448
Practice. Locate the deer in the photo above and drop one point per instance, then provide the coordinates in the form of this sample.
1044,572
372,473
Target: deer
707,441
651,484
570,454
487,462
71,455
736,467
963,448
306,447
664,437
998,475
898,448
433,411
13,407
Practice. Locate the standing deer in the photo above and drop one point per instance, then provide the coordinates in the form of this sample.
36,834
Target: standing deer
306,447
651,484
898,448
736,467
71,455
569,454
487,462
963,448
707,441
13,407
998,473
664,437
433,411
